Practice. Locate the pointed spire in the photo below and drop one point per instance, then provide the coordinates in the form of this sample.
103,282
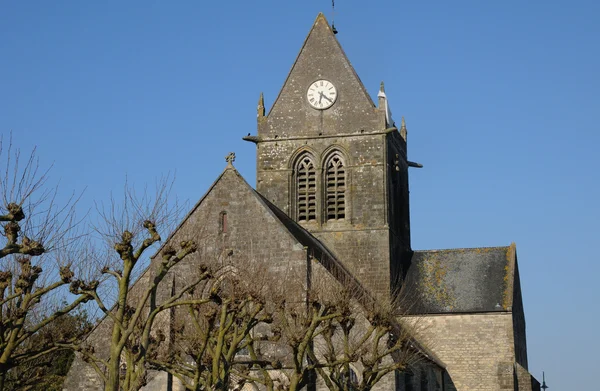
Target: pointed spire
381,97
320,46
403,131
321,17
261,106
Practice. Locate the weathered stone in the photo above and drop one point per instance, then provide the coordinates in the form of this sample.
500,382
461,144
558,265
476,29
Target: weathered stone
469,337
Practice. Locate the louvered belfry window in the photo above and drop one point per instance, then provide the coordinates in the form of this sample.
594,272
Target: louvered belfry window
335,184
306,191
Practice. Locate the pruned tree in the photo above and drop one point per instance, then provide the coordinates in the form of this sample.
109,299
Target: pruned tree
211,337
362,345
131,231
34,260
284,362
340,333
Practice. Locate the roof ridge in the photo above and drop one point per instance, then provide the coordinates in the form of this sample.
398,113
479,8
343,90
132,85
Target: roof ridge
193,209
281,216
463,248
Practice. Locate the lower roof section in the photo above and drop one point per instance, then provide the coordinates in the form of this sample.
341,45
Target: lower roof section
460,280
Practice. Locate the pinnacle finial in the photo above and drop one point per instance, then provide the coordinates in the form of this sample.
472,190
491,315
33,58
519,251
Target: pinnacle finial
230,158
381,97
403,131
261,105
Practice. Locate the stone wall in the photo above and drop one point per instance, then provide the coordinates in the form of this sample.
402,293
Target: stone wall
525,382
365,227
252,239
519,321
477,349
422,376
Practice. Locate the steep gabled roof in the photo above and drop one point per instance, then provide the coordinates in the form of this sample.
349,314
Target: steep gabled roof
302,236
299,234
461,280
191,212
321,50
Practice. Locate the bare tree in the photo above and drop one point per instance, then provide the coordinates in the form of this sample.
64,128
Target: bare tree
347,338
211,337
282,359
362,345
131,231
36,234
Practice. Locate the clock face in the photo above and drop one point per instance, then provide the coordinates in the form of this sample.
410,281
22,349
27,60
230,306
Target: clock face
321,94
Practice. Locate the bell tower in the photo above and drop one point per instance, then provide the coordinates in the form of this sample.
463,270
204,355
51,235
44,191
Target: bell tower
336,163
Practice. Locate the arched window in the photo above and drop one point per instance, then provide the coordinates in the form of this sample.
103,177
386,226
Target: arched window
306,189
223,222
335,188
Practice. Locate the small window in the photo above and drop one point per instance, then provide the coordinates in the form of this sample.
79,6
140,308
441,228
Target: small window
335,185
223,222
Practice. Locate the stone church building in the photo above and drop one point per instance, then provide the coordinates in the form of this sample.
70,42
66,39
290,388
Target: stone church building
332,186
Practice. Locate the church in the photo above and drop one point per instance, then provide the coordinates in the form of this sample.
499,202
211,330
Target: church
332,185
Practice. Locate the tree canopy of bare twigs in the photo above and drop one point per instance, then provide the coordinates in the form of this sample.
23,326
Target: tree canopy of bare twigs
131,229
350,345
210,336
361,346
36,232
243,334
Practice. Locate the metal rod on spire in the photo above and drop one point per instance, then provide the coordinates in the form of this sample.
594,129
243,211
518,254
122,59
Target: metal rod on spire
544,386
333,17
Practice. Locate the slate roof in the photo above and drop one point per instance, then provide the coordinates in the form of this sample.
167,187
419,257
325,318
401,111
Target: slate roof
461,280
321,253
297,231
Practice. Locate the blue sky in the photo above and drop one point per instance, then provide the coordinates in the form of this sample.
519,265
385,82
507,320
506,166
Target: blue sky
501,101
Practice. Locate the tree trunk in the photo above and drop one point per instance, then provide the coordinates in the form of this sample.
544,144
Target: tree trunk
112,383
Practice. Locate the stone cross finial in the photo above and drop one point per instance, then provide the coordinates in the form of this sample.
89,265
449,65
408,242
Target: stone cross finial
230,159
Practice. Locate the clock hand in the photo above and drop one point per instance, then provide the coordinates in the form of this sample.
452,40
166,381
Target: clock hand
326,97
320,96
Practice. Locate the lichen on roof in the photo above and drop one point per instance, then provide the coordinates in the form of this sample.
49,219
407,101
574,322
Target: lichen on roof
509,270
433,287
461,280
